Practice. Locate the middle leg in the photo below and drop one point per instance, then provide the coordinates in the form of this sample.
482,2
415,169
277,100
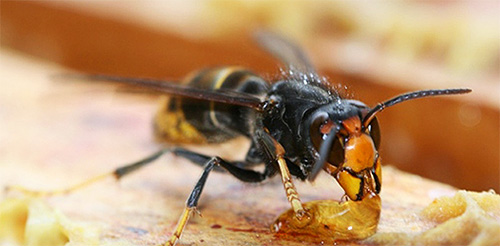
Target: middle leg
210,163
234,168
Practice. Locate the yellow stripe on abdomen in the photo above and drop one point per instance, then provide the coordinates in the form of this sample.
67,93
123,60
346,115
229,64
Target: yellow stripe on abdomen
171,125
221,78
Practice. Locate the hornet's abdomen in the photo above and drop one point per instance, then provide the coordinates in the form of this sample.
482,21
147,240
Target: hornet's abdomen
186,120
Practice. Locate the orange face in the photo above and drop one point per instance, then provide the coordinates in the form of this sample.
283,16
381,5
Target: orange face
360,173
357,167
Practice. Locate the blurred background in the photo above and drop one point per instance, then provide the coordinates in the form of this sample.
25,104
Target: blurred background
374,50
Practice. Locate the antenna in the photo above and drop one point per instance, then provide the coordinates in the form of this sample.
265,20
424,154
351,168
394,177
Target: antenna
410,96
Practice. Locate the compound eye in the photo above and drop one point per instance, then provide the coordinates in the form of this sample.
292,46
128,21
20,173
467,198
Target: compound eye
317,127
374,131
320,127
337,152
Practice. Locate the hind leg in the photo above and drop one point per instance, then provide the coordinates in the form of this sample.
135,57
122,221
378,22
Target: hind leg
117,174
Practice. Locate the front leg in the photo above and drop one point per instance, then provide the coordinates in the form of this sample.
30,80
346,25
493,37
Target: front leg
277,153
291,191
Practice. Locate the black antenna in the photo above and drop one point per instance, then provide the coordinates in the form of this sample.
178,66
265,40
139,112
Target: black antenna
410,96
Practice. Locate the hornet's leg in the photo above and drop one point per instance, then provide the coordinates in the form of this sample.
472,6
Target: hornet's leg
234,168
117,174
210,162
192,201
242,174
276,151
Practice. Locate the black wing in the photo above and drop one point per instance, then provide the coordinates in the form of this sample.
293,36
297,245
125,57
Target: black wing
163,86
288,52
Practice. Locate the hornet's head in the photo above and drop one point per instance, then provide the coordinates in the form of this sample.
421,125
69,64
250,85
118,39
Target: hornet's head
348,149
346,136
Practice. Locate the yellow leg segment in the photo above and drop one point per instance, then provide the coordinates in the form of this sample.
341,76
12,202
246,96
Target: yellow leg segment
286,178
37,193
117,174
186,214
291,191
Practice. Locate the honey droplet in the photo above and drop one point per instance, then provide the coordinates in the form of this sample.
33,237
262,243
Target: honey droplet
332,221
